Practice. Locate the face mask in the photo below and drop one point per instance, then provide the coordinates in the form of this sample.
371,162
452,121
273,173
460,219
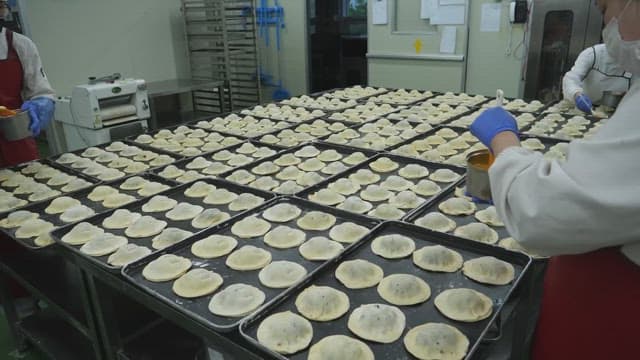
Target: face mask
625,53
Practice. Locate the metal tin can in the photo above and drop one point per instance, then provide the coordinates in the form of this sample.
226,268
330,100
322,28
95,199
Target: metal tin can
15,127
478,184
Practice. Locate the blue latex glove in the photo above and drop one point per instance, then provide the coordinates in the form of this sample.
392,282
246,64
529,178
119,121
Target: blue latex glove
492,122
584,104
40,111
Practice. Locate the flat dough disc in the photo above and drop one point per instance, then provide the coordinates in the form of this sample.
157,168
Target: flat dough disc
168,237
393,246
17,218
196,283
214,246
120,219
437,222
281,213
127,254
145,226
133,183
248,258
209,218
82,233
477,232
463,304
348,232
284,237
489,270
199,189
457,206
245,201
103,244
285,332
444,176
489,216
281,274
166,268
322,303
61,204
359,274
383,165
340,347
184,211
377,322
404,289
320,248
437,258
220,197
236,300
117,200
316,220
33,228
436,341
76,213
250,227
101,192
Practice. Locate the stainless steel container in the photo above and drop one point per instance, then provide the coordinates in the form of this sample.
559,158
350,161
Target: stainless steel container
611,99
15,127
478,176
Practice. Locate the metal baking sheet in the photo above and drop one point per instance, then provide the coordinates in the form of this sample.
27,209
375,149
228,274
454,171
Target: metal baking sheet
80,195
466,120
361,134
550,109
198,308
507,101
382,98
175,157
332,93
346,151
364,113
439,100
294,118
403,161
176,193
593,121
296,129
276,125
231,137
344,104
415,315
182,164
409,114
25,197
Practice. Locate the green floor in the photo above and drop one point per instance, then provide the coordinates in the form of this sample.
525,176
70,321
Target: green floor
7,349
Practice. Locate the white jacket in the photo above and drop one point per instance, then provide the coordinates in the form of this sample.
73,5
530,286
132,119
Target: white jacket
593,73
589,202
36,83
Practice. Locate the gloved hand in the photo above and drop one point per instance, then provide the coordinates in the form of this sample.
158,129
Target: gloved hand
40,111
492,122
584,104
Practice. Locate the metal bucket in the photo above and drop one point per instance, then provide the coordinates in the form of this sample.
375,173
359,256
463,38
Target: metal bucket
478,184
15,127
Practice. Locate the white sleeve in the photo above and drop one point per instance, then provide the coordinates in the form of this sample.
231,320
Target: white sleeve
572,81
36,83
589,202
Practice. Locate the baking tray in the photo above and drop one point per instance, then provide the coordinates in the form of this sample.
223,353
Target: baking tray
331,93
198,308
345,104
437,100
132,139
403,161
592,123
252,112
364,115
280,125
25,197
176,193
80,195
415,315
472,115
405,115
183,163
574,111
319,145
294,129
357,128
458,130
103,146
426,94
492,103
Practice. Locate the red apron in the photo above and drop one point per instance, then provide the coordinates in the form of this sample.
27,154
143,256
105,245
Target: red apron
590,308
11,72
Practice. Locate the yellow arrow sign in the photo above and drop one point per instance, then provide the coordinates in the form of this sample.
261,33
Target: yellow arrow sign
418,45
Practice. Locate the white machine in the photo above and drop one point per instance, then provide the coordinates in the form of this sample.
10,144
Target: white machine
104,110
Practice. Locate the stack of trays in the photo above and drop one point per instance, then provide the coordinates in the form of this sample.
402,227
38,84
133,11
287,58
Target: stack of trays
379,134
218,162
186,141
298,168
37,181
385,187
246,127
30,225
257,255
156,222
378,296
112,161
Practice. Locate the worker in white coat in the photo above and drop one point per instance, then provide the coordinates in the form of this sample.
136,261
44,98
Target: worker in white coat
583,212
593,73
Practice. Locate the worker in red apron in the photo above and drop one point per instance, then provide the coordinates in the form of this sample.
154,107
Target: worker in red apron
23,85
583,212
